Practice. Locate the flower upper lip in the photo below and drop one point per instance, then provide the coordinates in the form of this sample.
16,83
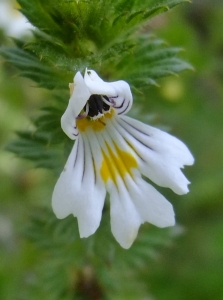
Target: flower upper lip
83,89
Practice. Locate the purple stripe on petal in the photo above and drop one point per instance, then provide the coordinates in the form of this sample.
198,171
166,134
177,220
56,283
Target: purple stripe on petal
120,113
84,160
76,153
135,128
135,136
120,106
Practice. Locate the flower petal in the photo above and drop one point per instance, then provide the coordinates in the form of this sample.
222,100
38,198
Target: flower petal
128,191
150,204
76,103
123,101
163,141
110,154
62,200
79,191
125,220
161,155
96,85
118,91
133,203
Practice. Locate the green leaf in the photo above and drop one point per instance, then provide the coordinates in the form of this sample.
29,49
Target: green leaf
150,59
31,67
41,15
38,148
155,11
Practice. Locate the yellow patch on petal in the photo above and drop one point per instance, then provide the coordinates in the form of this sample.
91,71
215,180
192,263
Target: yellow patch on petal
97,125
118,163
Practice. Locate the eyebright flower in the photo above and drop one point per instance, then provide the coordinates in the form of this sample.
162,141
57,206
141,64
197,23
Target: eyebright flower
111,153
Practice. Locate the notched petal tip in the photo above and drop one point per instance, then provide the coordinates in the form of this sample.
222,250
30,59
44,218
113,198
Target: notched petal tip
162,155
89,210
168,219
191,159
127,242
182,189
152,206
59,213
87,228
61,202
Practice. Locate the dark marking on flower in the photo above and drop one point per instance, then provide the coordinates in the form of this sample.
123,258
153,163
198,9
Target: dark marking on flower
128,142
135,128
120,113
102,122
135,136
96,105
94,167
76,152
75,134
93,162
120,106
84,161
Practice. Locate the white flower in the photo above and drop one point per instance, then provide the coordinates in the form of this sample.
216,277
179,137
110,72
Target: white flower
12,21
111,153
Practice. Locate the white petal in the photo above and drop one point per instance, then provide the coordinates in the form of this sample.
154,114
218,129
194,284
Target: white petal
93,76
134,202
112,135
68,124
123,101
162,141
63,194
166,175
76,103
150,204
118,91
161,154
79,191
96,85
125,220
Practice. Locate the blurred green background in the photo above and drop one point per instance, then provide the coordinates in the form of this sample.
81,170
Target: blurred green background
191,106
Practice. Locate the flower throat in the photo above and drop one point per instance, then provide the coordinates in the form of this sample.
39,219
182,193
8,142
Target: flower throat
97,105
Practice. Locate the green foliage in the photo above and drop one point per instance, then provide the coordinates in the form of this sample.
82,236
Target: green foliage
73,35
99,21
31,67
45,144
72,259
162,268
150,59
37,147
111,37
